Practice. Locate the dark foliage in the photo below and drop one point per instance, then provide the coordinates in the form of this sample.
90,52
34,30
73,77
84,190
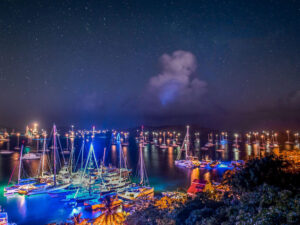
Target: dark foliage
270,170
261,193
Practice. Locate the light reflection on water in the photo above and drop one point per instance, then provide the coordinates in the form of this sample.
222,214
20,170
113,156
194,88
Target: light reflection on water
162,173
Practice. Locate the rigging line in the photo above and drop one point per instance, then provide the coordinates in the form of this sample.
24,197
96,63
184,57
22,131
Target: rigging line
12,173
88,158
59,143
79,154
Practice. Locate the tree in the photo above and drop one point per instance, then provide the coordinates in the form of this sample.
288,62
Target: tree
77,220
111,215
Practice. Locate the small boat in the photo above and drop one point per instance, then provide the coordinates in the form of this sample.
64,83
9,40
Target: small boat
223,165
15,188
174,145
196,187
209,144
6,152
184,163
235,145
237,163
203,164
138,192
61,192
80,196
24,189
30,156
3,218
45,188
163,145
214,164
66,152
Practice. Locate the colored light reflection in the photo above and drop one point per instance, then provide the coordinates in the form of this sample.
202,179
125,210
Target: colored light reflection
195,174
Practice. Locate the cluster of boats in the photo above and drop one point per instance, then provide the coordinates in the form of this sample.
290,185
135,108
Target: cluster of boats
161,139
262,140
90,184
191,161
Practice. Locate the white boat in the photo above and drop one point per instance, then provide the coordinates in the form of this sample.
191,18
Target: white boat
138,192
30,155
6,152
142,190
47,189
189,161
163,145
184,163
209,144
125,144
66,152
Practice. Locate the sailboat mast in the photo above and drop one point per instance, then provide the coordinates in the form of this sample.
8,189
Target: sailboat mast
187,142
20,164
44,149
72,149
120,153
103,157
82,151
72,138
54,152
141,163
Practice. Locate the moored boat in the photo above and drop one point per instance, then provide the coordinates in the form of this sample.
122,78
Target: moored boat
197,186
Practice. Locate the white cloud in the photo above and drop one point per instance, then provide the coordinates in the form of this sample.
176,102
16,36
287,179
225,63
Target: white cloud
175,85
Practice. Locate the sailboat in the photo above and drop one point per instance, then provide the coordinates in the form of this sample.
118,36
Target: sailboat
125,139
121,180
18,141
236,144
288,142
210,141
48,187
86,182
141,190
21,183
7,151
163,145
66,151
189,161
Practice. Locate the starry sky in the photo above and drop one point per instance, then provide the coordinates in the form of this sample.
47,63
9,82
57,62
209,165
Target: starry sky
219,64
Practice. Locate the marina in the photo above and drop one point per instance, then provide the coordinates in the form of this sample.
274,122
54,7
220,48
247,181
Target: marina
123,166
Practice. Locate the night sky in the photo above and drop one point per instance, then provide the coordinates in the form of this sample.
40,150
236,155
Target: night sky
219,64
